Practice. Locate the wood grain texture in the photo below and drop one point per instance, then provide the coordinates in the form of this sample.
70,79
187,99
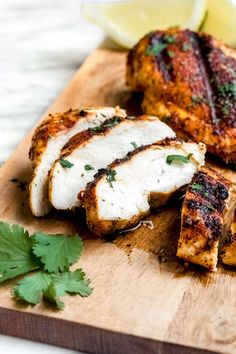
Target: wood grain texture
144,299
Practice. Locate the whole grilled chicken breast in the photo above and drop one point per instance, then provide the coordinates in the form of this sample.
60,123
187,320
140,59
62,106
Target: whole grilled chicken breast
206,216
228,255
146,178
49,138
189,81
94,149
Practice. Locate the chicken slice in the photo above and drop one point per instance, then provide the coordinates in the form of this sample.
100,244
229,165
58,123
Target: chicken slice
49,138
146,178
189,81
206,216
228,254
92,150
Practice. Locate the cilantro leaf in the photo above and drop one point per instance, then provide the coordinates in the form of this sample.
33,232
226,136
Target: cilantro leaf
65,163
88,167
196,186
170,53
228,89
210,207
57,252
155,49
178,158
51,286
111,122
16,257
134,144
186,47
67,283
196,99
20,253
52,295
111,177
31,288
169,38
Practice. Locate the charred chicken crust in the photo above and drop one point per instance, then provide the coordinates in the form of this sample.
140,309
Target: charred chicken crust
206,215
228,254
48,140
53,125
189,81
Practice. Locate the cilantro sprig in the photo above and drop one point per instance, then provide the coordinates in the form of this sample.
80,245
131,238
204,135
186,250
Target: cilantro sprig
51,255
52,287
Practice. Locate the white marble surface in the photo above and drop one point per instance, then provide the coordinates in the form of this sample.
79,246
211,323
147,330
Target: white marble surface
42,43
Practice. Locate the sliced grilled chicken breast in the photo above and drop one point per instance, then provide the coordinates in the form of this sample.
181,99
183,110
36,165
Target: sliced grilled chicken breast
228,254
92,150
189,81
206,216
47,142
146,178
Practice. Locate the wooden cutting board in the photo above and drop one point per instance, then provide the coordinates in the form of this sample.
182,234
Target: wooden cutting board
144,300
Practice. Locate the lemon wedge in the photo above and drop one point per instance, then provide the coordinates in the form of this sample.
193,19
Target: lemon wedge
127,21
221,20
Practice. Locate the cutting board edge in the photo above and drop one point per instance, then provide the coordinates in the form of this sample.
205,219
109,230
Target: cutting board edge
83,337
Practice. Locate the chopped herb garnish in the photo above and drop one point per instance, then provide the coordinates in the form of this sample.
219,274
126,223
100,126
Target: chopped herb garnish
186,47
171,53
88,167
107,124
111,122
225,109
65,163
166,119
196,99
155,49
190,155
99,128
111,177
179,158
196,186
210,207
134,144
206,194
103,115
168,38
228,89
